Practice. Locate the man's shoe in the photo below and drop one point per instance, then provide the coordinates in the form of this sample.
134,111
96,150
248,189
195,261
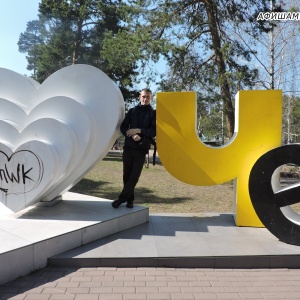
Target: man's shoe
129,204
116,203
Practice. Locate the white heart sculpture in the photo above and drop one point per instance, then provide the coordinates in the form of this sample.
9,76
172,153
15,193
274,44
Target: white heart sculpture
52,134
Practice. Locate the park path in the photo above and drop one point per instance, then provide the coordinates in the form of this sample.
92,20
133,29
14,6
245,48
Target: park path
60,283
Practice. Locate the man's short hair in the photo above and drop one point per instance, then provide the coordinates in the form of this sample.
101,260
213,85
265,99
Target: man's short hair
146,90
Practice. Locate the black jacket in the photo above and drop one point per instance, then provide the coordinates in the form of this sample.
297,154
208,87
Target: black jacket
143,117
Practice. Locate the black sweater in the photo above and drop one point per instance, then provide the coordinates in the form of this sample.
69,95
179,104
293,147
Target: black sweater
143,117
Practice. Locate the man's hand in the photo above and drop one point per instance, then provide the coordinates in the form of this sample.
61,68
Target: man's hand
136,137
133,131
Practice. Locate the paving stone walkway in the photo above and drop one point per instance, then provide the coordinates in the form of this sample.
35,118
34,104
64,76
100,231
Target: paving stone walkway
57,283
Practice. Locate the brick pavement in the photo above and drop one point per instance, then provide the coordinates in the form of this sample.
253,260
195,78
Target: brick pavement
57,283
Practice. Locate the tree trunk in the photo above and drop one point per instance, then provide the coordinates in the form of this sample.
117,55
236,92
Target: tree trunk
77,42
221,66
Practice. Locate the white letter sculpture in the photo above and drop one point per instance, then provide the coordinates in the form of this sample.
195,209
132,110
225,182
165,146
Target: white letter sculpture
52,134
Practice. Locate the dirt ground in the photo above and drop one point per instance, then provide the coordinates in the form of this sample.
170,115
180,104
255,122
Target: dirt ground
157,189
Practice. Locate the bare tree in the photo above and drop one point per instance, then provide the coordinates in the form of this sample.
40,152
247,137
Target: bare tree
276,56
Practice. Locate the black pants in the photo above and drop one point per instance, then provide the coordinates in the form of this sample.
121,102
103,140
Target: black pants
133,162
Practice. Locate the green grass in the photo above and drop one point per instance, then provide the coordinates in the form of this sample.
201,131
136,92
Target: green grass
156,189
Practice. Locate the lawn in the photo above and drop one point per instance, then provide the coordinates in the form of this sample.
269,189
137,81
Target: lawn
156,189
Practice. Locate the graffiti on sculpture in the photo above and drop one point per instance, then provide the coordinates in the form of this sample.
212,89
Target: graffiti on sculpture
20,172
52,134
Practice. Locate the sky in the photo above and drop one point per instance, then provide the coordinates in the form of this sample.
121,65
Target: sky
14,15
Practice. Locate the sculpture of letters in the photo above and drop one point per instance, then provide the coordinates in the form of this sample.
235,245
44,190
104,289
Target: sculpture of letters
257,130
52,134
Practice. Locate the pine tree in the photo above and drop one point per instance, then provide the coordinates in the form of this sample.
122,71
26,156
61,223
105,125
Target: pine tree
76,32
196,40
29,42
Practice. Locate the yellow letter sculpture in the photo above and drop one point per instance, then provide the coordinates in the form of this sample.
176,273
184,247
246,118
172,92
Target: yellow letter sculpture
257,130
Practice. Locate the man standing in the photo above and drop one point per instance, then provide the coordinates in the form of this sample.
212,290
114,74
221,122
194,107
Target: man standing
138,127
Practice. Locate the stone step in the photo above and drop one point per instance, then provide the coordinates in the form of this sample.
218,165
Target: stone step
195,240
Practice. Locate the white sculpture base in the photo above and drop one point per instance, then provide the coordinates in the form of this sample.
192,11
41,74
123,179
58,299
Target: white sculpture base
36,233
